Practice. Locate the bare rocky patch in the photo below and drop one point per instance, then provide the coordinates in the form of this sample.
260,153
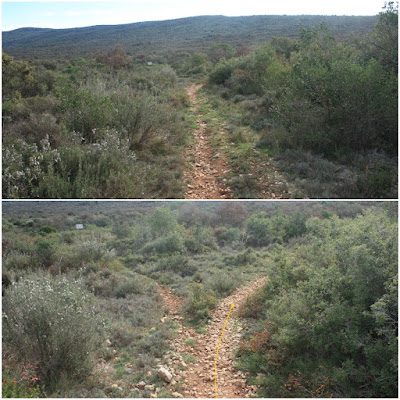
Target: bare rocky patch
195,377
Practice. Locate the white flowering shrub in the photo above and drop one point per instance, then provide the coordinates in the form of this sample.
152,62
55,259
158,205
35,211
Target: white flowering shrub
25,165
51,323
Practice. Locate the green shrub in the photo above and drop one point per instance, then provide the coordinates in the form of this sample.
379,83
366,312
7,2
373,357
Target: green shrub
121,230
92,251
21,384
201,302
154,344
47,229
172,243
325,321
230,236
51,323
259,230
38,128
128,287
335,101
45,252
179,264
223,284
222,72
102,222
163,221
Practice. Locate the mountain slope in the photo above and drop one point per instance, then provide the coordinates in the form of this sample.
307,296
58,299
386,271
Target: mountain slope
185,34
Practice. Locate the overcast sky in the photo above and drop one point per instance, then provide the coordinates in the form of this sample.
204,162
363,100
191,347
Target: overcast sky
53,14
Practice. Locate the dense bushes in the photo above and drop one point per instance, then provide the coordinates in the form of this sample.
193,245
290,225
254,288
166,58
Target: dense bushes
263,230
329,96
93,132
324,97
333,102
324,324
173,243
329,312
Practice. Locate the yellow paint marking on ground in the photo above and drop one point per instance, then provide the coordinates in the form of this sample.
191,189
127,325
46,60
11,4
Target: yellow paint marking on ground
216,356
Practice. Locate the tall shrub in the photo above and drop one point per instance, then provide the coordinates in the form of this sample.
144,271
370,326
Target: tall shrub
51,323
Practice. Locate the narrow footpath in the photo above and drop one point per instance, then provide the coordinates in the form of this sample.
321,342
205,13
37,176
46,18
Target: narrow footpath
209,169
205,176
197,379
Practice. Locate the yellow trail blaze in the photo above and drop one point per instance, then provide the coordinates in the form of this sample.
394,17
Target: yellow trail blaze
216,356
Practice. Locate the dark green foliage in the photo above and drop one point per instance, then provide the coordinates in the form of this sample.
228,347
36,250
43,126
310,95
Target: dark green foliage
259,230
165,37
229,236
332,102
163,222
178,264
195,65
284,46
329,308
384,41
222,72
111,284
45,250
220,51
224,284
170,244
47,229
201,302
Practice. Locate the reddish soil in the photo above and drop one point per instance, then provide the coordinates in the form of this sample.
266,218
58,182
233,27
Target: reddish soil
198,379
209,167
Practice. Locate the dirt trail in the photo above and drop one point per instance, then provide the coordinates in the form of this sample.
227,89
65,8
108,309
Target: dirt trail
198,379
209,166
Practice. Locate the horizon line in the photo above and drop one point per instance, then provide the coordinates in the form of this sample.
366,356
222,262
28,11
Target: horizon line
193,16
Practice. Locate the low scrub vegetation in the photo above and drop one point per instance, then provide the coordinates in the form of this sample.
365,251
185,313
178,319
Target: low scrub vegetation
321,107
82,313
326,109
92,130
325,324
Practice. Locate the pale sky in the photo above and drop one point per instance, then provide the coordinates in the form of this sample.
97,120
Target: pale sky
69,14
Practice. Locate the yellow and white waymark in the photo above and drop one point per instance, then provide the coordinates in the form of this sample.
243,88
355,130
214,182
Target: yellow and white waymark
216,356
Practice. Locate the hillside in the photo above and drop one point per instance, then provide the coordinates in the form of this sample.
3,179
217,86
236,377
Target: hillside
160,37
134,304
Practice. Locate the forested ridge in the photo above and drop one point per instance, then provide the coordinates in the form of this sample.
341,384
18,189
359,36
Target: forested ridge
311,116
159,38
83,311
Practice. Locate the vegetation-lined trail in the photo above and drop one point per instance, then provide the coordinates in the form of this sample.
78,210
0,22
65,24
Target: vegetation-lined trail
198,380
209,166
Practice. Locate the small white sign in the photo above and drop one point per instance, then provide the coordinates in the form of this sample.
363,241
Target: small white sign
79,226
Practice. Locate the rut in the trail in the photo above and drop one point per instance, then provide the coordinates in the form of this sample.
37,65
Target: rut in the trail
205,178
198,380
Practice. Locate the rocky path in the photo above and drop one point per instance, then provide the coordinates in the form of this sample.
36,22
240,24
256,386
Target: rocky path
209,167
197,379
